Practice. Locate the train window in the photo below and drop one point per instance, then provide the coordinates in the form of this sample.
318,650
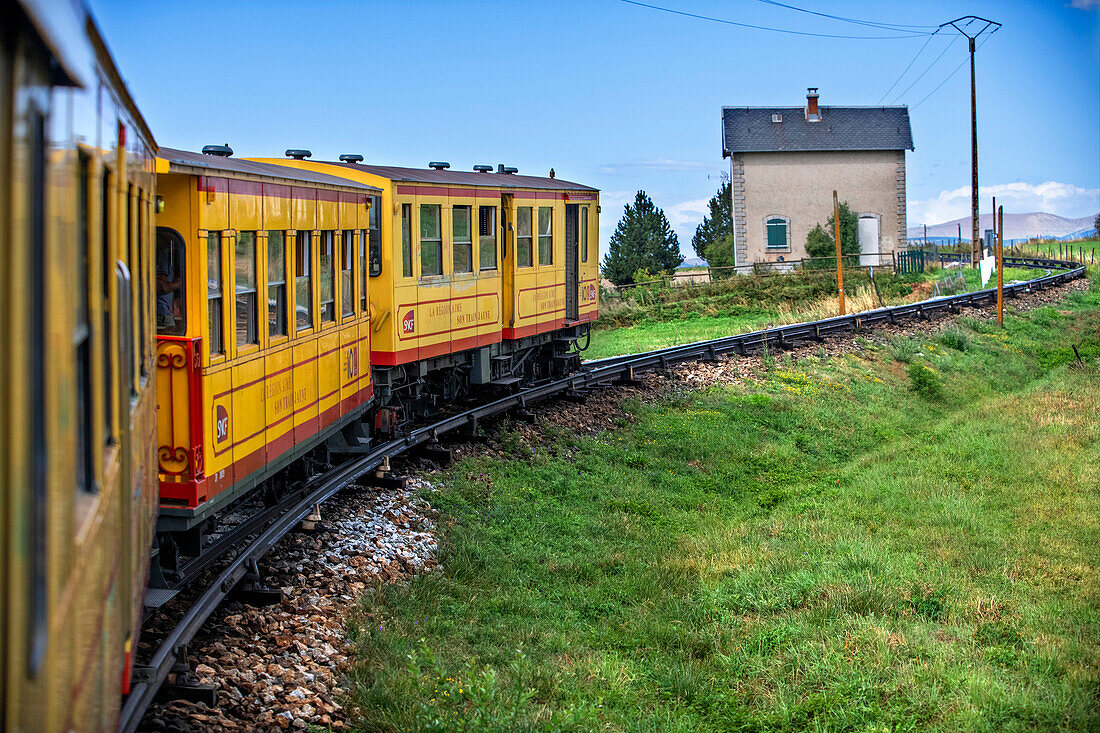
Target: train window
82,341
431,241
171,310
143,303
303,280
487,237
244,264
276,283
584,234
375,242
107,245
328,276
462,242
347,284
37,328
523,236
214,291
366,264
546,238
406,240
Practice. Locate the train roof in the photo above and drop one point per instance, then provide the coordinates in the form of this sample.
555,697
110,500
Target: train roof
185,161
462,178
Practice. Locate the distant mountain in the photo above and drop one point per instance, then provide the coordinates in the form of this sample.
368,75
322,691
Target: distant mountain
1017,226
693,262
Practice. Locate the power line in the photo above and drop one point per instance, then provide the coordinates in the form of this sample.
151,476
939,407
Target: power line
956,71
767,28
870,23
929,68
909,66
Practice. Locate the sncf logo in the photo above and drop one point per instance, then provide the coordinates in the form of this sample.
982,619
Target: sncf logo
408,323
222,424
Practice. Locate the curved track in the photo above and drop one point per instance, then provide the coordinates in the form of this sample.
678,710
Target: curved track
270,525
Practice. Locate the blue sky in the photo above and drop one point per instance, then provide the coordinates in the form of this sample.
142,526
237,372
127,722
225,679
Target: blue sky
618,96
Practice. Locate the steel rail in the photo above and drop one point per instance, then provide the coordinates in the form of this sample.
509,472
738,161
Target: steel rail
149,678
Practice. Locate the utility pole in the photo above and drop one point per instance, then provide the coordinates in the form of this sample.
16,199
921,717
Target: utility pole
1000,267
961,24
839,266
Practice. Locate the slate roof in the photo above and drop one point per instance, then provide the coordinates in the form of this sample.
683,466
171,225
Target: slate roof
751,130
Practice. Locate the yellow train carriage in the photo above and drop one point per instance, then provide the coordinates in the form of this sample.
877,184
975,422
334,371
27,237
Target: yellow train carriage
78,501
467,260
245,388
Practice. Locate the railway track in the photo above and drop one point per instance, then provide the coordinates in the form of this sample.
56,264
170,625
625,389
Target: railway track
259,533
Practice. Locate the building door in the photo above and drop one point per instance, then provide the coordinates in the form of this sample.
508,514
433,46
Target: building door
868,240
572,268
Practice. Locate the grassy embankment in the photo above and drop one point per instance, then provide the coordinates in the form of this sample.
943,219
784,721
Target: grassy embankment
645,320
900,539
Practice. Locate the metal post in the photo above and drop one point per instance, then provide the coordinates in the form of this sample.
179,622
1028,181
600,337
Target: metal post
1000,267
839,265
973,161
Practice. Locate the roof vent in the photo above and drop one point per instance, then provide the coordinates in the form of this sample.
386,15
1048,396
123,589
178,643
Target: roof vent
351,158
483,168
777,118
298,154
222,151
511,170
502,169
439,165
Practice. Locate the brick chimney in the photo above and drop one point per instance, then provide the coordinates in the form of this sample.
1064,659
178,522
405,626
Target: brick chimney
813,112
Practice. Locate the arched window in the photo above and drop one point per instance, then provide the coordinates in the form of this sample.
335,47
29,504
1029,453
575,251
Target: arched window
776,227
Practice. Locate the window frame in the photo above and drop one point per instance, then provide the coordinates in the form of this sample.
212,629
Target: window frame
305,258
327,236
436,243
280,285
347,271
467,244
530,236
584,234
252,322
548,236
492,227
374,242
769,222
211,237
406,241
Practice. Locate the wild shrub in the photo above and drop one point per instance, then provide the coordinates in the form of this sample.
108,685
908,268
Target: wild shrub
902,349
924,382
955,338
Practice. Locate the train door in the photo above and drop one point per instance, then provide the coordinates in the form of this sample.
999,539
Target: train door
507,262
572,267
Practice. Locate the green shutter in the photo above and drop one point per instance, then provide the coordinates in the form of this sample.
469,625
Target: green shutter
777,234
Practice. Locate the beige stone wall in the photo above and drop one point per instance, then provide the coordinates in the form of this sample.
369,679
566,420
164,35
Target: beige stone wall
799,186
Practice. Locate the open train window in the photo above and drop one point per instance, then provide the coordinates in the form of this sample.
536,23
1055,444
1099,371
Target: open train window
244,264
328,276
584,234
546,235
82,341
171,288
431,240
276,283
303,280
38,328
406,240
347,284
487,237
462,242
366,262
375,242
524,239
214,291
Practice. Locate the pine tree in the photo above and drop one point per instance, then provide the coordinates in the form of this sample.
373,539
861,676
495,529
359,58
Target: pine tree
716,227
643,240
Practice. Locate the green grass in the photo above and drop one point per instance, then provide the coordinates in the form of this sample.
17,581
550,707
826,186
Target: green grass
1088,246
842,546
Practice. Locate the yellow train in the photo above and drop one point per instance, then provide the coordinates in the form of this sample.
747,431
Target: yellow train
146,385
78,477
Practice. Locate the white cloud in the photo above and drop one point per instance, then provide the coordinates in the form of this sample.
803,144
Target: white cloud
1084,4
1051,197
683,217
660,164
